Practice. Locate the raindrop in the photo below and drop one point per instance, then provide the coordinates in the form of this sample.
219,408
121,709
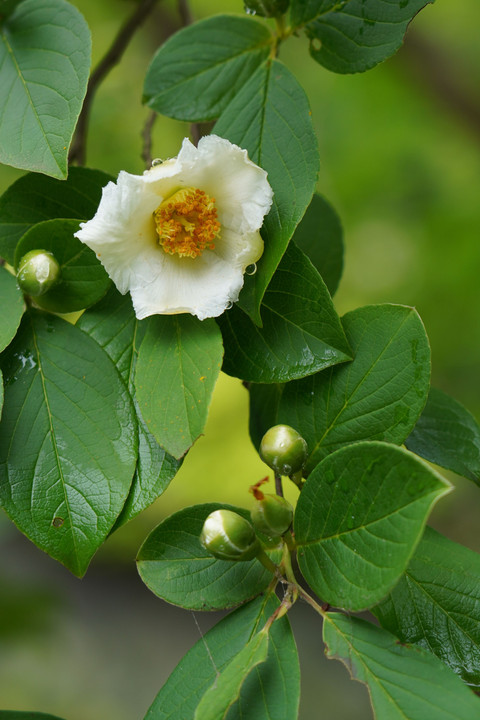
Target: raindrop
157,161
287,469
250,11
251,269
229,305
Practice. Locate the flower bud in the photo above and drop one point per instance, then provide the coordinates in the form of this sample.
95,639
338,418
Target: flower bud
266,8
272,515
228,536
283,449
37,272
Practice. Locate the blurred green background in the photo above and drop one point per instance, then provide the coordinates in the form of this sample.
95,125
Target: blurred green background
400,161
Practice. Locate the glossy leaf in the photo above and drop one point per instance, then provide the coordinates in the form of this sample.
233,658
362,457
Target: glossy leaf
113,325
404,682
68,444
177,568
358,34
320,235
226,687
436,604
13,307
304,11
83,280
198,71
178,364
447,435
264,402
301,331
270,118
271,690
359,517
35,198
377,396
45,61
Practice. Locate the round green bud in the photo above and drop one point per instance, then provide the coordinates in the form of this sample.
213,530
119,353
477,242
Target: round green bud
228,536
283,449
272,515
37,272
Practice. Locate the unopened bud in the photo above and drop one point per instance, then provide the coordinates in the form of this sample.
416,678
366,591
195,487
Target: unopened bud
272,515
228,536
283,449
37,272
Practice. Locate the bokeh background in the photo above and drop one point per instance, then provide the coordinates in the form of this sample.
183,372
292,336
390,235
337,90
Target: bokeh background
400,161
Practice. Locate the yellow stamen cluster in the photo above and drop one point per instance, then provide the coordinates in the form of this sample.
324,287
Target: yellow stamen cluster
186,223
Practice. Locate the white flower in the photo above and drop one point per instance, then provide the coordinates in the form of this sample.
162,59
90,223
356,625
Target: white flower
180,236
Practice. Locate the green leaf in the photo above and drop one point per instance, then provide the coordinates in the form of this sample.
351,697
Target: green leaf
447,435
35,198
271,690
301,331
44,63
113,325
378,396
320,235
13,307
358,34
264,402
304,11
404,683
68,439
270,117
177,568
436,604
7,7
227,685
83,280
178,364
198,71
358,519
20,715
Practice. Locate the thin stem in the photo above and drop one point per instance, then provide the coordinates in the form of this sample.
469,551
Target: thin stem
278,485
269,564
147,139
110,59
321,610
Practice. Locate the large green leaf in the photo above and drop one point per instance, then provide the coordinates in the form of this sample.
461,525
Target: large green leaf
270,117
198,71
35,198
359,518
358,34
177,568
436,604
447,435
112,323
68,439
83,279
320,235
44,65
304,11
264,402
11,302
377,396
178,364
271,690
301,331
404,683
226,687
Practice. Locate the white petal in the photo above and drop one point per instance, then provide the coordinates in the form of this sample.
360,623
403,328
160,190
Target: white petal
240,250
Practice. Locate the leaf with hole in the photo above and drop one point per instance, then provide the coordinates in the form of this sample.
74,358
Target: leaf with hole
45,61
270,117
68,439
359,517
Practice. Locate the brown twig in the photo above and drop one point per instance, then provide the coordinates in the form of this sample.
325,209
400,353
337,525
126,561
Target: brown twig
110,59
147,139
185,13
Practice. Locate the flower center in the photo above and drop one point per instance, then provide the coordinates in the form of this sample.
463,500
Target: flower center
186,223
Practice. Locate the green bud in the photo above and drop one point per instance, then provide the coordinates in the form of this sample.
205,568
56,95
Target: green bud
266,8
272,515
228,536
37,272
283,449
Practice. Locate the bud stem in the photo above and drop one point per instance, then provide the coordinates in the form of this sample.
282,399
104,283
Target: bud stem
278,485
266,562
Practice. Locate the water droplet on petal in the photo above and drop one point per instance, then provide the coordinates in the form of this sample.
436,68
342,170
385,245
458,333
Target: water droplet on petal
157,161
229,305
251,269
